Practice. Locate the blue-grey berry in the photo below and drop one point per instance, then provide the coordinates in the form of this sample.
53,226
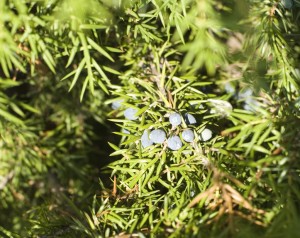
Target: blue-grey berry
188,135
145,139
125,131
229,88
158,136
174,143
117,104
220,106
130,114
175,119
244,94
250,104
205,135
190,119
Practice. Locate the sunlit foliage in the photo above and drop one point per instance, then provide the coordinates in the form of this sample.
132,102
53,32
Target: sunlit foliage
90,146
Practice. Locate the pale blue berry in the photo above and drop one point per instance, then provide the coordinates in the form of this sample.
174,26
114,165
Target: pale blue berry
190,119
188,135
229,88
125,131
250,104
158,136
130,114
175,119
117,104
220,106
246,93
145,139
205,135
174,143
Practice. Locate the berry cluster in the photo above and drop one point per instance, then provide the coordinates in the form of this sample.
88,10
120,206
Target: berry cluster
174,142
159,136
245,95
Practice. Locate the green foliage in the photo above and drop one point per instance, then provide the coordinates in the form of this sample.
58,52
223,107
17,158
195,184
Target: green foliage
64,63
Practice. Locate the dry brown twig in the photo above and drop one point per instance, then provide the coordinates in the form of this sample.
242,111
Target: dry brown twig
224,197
